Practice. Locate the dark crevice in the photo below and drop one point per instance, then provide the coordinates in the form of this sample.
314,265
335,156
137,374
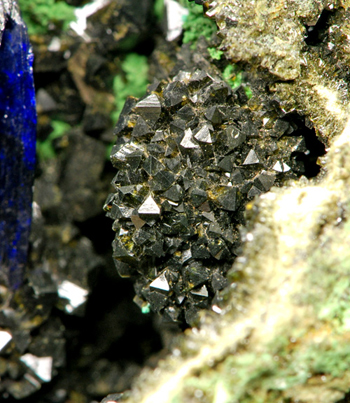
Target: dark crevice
345,399
305,162
316,33
145,47
114,325
93,227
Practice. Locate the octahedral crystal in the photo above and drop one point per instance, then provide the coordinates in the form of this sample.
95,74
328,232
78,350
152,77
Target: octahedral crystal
189,155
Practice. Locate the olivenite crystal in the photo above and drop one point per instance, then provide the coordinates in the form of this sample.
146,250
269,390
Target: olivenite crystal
189,155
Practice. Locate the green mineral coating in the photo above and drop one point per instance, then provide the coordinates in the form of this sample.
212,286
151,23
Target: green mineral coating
39,14
234,78
232,75
132,82
249,377
215,53
159,9
45,149
196,24
146,309
248,91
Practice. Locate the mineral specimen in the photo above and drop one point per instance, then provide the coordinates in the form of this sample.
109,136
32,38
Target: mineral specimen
17,144
189,155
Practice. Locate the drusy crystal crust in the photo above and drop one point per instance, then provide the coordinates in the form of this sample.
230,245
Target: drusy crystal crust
188,156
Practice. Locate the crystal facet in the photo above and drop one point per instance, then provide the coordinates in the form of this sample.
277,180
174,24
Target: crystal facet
149,206
187,141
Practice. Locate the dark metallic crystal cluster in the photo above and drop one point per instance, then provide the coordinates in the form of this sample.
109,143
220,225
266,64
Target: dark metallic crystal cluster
189,155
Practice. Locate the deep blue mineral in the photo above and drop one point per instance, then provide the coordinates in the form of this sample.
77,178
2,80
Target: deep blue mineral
17,146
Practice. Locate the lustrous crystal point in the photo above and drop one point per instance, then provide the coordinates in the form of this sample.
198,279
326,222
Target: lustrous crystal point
281,167
203,292
160,284
204,135
149,108
251,158
5,338
149,206
187,141
17,144
41,366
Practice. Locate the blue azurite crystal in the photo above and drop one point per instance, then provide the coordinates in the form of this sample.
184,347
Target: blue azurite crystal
17,143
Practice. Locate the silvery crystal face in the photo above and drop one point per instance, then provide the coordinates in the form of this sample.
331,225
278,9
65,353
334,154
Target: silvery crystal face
189,155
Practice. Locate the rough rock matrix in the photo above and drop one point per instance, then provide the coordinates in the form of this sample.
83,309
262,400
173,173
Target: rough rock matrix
303,45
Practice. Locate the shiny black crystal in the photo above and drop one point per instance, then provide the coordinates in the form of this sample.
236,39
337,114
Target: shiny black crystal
189,156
